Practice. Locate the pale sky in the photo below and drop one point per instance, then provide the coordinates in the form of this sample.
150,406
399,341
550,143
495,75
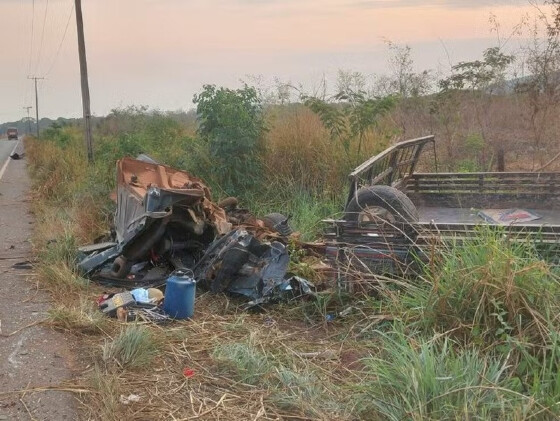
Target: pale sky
160,52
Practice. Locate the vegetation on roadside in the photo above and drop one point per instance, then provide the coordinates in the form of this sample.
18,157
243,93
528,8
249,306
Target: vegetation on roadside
476,336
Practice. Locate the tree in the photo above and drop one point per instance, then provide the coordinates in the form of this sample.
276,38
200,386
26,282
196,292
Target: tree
542,86
406,85
483,78
350,114
231,121
479,75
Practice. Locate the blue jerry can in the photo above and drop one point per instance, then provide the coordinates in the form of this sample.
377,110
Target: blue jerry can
180,291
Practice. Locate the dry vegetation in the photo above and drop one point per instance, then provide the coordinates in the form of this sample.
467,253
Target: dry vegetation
290,362
474,337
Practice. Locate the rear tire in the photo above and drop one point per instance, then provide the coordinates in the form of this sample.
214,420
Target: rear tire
381,204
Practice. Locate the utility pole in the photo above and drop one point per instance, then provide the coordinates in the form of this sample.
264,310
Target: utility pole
84,77
28,119
35,78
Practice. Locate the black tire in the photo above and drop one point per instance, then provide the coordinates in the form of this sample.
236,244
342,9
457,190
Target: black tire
279,223
121,267
394,204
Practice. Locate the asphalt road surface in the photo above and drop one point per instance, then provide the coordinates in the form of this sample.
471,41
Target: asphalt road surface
35,360
6,148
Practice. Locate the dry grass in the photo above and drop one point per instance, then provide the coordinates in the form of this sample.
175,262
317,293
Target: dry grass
83,318
298,369
285,363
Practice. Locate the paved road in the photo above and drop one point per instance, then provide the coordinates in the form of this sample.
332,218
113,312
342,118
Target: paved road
6,148
32,355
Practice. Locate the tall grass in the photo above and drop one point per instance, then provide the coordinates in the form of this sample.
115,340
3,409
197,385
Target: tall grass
478,337
421,378
486,288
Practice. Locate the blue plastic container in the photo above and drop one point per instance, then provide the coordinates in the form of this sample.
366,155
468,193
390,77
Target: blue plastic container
180,291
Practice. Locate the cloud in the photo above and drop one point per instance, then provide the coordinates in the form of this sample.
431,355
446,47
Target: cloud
448,4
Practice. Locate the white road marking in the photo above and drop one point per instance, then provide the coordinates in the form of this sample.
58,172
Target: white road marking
8,161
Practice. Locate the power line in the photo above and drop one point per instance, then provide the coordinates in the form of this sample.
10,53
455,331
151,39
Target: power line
28,119
32,36
42,37
62,40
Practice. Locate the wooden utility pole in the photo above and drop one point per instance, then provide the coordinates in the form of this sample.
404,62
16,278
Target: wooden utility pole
84,77
35,78
28,119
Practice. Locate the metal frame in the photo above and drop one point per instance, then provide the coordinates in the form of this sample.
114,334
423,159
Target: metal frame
395,167
390,167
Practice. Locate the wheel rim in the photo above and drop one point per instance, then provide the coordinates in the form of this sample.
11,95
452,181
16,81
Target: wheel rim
376,214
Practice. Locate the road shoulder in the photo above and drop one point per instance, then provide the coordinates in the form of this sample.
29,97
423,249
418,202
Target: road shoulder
32,355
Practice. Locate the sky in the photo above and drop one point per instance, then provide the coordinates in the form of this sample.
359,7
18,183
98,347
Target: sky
159,53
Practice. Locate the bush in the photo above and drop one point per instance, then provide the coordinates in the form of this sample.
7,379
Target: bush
232,123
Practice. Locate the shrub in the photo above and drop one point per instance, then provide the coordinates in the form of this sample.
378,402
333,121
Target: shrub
231,121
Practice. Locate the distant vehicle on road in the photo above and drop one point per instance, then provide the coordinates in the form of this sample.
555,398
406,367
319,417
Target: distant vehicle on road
12,133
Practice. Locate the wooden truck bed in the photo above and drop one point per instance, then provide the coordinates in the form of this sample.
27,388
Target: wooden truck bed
449,206
440,215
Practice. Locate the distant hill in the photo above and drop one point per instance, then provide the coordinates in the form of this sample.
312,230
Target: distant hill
521,84
44,123
25,127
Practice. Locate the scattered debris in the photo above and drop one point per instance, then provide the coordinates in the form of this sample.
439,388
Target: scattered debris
26,264
188,372
327,354
125,400
16,155
507,216
126,307
109,304
166,226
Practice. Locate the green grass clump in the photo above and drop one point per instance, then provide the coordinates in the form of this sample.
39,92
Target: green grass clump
488,288
108,388
61,278
249,363
133,347
432,379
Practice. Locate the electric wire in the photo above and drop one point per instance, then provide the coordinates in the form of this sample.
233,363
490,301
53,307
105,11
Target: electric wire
32,35
61,41
42,37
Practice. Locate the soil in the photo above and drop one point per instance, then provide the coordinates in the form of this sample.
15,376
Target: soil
32,355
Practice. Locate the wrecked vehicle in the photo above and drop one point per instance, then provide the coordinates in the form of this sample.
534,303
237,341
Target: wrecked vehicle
165,221
162,213
394,215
